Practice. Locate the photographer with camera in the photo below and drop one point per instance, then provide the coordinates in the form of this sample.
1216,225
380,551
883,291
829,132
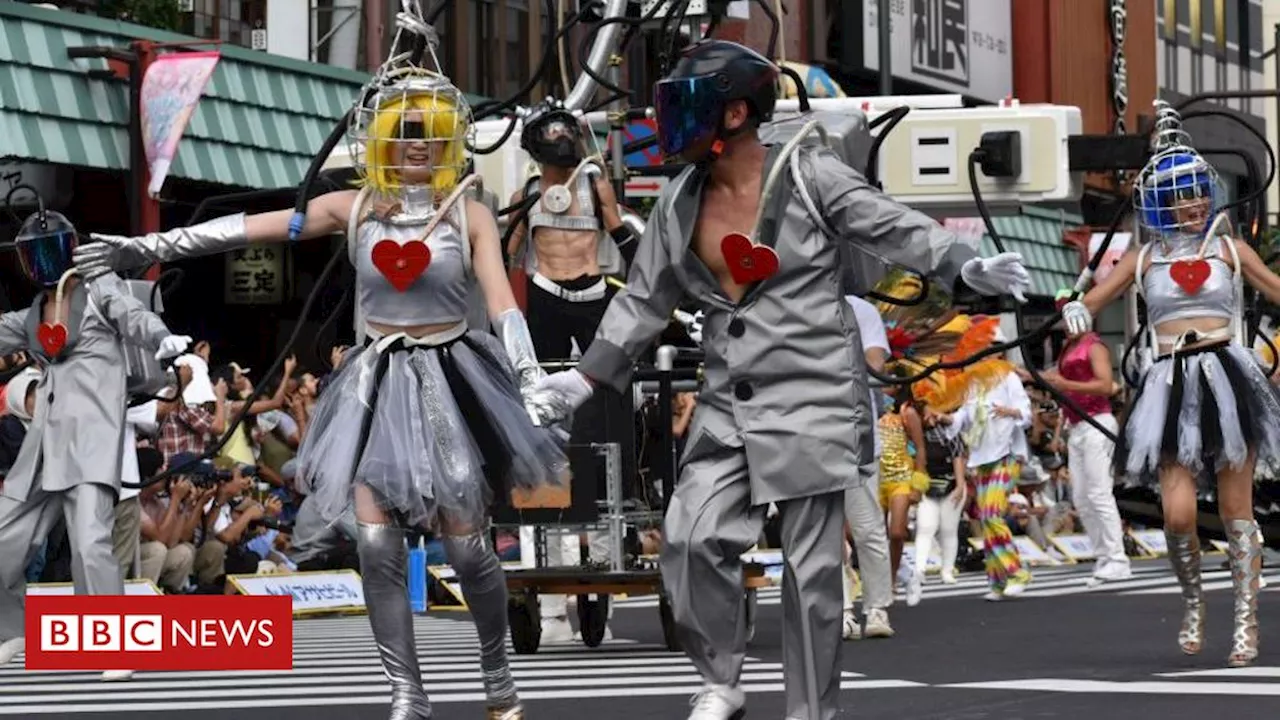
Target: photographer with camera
230,519
167,524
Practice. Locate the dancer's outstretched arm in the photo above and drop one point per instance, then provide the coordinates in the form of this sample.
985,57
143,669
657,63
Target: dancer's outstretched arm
1079,314
326,215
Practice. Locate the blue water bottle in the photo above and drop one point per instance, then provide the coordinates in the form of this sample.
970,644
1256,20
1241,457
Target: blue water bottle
418,579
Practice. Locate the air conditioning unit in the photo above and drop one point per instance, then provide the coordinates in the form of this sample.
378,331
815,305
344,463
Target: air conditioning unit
186,6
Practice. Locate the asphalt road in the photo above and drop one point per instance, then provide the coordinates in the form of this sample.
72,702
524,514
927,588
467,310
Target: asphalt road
1061,651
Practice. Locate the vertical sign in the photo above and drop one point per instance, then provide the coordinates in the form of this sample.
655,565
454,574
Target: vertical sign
1171,20
951,46
1220,25
1119,67
255,275
171,90
940,39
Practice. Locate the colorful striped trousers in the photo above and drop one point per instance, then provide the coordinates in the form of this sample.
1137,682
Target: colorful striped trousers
993,483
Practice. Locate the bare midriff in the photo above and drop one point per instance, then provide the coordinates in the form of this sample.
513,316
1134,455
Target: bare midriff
413,331
566,254
1175,328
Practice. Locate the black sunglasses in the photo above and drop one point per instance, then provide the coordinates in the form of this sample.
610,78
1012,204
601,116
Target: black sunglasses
413,130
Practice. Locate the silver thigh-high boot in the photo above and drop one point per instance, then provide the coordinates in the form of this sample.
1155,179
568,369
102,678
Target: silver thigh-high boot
484,587
1184,555
383,561
1244,550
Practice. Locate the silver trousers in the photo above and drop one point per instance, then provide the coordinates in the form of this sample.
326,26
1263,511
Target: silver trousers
865,516
89,512
710,522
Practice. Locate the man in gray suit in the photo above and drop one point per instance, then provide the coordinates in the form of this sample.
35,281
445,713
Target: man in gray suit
71,458
784,415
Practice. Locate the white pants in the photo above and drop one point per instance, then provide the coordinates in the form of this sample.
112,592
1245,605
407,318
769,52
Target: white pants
871,541
564,550
1092,489
934,516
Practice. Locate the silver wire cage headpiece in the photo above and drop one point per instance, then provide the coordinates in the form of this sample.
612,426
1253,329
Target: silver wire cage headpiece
1177,192
411,125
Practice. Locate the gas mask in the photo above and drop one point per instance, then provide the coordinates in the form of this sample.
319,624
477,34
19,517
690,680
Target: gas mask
556,142
45,244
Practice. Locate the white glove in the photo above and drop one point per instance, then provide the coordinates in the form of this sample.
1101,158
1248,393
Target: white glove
558,395
1004,274
1077,318
692,324
172,346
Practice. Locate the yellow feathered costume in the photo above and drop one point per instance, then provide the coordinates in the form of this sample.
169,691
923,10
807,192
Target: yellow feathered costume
929,332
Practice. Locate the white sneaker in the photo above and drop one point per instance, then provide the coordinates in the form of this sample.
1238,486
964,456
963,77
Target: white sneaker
9,649
878,624
993,596
117,675
949,577
1016,586
915,589
718,702
852,628
556,631
1111,572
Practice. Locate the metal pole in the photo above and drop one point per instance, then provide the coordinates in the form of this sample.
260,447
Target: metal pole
886,49
666,358
617,126
1275,48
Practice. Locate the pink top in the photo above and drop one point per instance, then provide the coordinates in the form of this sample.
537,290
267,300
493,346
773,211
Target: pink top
1075,364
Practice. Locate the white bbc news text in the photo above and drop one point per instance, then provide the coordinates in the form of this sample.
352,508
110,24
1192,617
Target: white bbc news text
214,633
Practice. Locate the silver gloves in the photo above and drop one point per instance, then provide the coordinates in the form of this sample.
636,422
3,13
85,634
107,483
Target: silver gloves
512,329
560,394
1077,318
1004,274
112,253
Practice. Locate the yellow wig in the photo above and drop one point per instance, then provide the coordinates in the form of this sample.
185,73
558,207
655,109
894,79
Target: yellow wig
443,124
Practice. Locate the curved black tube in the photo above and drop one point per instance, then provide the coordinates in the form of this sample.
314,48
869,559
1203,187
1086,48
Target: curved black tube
893,117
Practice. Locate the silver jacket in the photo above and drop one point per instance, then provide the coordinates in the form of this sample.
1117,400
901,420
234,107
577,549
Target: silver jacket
785,376
77,432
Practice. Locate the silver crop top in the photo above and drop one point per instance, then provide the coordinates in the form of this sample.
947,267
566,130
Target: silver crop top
1166,300
438,295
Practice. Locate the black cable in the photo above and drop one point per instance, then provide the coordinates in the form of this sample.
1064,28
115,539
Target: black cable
890,119
549,49
210,453
1066,400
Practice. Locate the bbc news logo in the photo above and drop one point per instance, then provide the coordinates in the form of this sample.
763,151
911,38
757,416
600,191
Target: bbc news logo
174,632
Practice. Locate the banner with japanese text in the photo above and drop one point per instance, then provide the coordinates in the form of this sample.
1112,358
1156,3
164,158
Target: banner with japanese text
171,90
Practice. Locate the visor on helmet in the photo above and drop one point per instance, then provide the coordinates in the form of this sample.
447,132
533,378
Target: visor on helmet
689,111
45,257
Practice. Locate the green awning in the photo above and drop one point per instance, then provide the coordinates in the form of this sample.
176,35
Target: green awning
1037,234
261,120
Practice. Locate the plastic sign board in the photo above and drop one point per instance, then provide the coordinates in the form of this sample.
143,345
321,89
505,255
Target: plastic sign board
131,587
932,565
1153,542
312,592
1077,546
1031,552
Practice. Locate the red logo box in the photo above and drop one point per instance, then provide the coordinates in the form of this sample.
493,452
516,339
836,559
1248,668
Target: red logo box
173,632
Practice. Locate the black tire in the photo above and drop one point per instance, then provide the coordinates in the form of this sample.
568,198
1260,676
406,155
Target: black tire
525,619
593,618
749,603
668,624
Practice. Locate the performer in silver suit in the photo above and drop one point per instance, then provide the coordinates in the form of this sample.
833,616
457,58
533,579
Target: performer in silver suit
425,424
784,415
70,463
1205,407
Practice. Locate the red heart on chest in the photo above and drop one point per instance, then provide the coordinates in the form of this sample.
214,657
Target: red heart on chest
400,264
748,263
52,337
1190,274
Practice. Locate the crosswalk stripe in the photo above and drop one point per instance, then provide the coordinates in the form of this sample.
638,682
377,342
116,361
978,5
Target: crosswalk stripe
1258,671
339,665
1142,687
59,708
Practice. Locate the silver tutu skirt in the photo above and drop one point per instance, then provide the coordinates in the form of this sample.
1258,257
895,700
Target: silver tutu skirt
430,429
1206,409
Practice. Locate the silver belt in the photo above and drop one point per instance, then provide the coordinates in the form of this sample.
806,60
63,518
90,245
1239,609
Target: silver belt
590,294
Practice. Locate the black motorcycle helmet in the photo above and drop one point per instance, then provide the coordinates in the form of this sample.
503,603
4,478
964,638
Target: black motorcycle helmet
690,101
552,135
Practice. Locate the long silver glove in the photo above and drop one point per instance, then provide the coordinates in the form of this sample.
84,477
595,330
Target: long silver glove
512,329
112,253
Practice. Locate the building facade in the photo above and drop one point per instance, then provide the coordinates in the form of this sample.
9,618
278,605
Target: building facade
1207,46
